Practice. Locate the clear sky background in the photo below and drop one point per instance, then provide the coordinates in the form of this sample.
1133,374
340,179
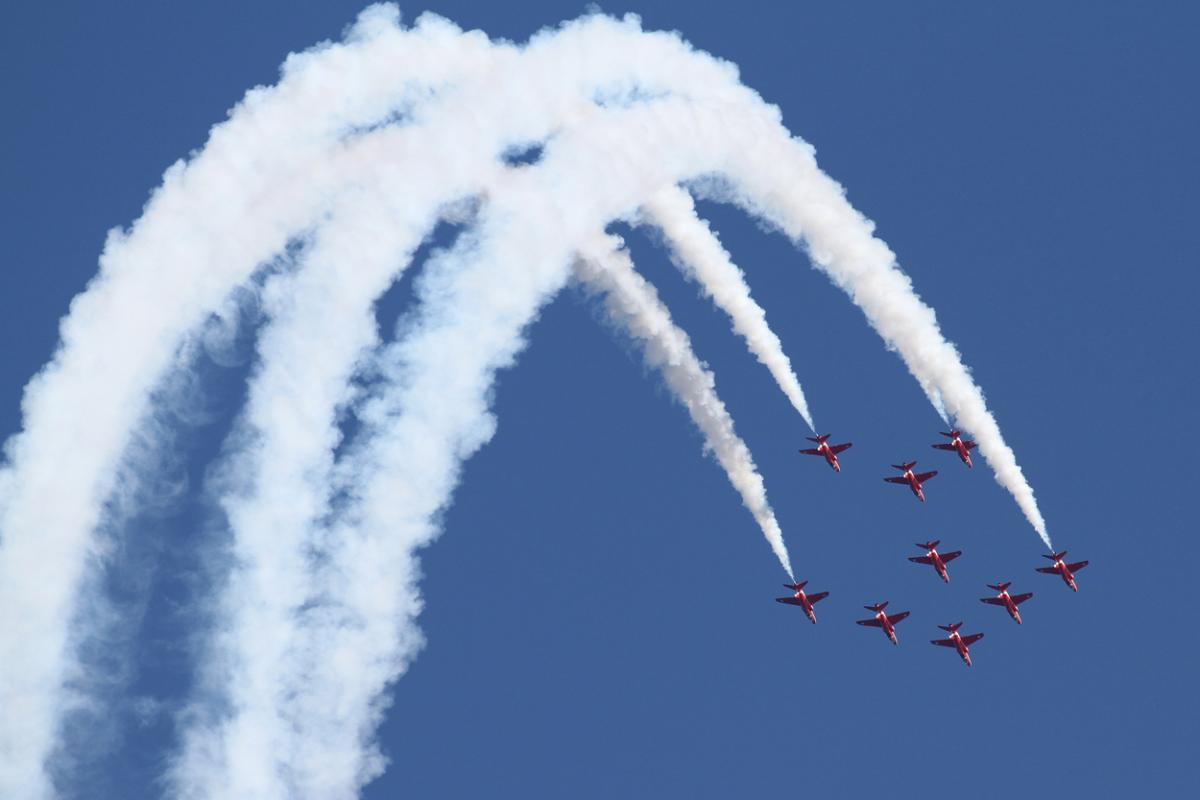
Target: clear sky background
599,610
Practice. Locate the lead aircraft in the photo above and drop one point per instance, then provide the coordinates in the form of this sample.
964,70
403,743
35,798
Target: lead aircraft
803,600
960,643
957,445
1067,571
882,620
830,452
913,481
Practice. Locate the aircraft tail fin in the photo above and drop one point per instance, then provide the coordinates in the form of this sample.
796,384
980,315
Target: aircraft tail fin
951,628
1000,587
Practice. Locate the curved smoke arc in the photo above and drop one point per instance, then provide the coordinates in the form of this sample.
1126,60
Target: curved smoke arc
417,121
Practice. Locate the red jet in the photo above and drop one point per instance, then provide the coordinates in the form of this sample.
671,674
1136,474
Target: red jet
960,643
1009,601
1067,571
957,445
938,560
913,481
801,599
823,448
882,620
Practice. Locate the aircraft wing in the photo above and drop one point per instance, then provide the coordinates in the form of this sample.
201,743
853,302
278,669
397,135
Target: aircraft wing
970,445
944,446
812,598
924,476
942,642
972,639
1078,565
953,554
874,623
1047,570
811,451
837,448
792,601
921,559
1021,598
894,618
994,601
897,480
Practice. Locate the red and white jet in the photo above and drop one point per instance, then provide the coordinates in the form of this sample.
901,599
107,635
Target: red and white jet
801,599
882,620
1067,571
960,643
912,481
1009,601
938,560
958,445
830,452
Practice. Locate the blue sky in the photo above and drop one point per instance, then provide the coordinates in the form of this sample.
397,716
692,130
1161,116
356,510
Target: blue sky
599,613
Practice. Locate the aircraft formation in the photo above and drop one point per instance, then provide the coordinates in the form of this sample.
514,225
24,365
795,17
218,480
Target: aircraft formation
914,480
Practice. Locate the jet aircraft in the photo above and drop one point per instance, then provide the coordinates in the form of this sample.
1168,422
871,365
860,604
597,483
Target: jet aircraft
882,620
912,481
938,560
960,643
1067,571
830,452
801,599
957,445
1009,601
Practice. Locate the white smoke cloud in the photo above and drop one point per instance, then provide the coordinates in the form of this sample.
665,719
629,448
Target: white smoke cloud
624,116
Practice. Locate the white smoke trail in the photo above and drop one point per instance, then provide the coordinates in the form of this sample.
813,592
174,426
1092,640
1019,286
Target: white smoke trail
203,233
633,305
811,207
268,174
698,253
